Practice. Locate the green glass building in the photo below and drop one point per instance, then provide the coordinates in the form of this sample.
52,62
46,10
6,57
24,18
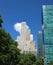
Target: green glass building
48,32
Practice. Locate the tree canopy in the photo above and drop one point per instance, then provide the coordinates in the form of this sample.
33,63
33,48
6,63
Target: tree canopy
10,54
1,21
51,62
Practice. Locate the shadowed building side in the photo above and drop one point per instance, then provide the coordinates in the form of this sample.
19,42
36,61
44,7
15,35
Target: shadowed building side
40,51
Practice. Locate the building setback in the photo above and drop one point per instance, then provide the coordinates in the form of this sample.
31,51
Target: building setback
48,32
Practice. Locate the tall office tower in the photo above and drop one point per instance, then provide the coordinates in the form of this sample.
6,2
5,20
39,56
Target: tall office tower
40,51
48,32
25,32
25,43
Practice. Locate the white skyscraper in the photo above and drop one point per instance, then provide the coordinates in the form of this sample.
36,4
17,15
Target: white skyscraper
25,40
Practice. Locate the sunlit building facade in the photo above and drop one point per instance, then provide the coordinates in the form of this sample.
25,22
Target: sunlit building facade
48,32
25,42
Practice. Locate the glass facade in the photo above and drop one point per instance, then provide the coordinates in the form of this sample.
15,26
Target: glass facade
48,32
40,45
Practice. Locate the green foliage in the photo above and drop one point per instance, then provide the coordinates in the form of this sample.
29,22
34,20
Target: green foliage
9,53
32,57
27,59
39,62
1,21
34,64
51,62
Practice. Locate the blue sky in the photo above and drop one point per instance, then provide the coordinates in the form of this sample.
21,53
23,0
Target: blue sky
14,11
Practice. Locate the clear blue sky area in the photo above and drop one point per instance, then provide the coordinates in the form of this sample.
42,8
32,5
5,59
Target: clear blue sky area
14,11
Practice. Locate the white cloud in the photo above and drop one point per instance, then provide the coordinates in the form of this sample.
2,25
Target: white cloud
31,37
17,27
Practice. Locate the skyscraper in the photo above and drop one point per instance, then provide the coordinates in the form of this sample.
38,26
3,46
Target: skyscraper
25,41
40,51
48,32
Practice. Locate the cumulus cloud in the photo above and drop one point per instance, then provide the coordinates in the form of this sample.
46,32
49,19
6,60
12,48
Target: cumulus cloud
17,27
31,36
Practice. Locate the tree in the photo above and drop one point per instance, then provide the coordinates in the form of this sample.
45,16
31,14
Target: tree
39,62
27,59
1,21
51,62
32,57
9,53
34,64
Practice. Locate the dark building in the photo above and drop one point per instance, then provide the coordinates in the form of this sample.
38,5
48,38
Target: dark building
40,51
